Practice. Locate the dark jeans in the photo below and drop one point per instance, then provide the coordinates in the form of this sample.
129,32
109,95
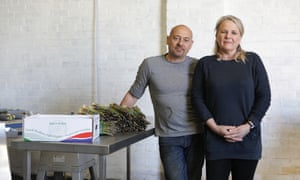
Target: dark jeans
182,156
240,169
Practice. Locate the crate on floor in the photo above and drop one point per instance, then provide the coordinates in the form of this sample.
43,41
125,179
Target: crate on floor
73,163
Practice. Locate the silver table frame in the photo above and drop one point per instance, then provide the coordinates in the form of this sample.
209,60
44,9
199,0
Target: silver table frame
102,146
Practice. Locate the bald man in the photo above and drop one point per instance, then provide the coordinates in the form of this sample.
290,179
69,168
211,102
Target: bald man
180,133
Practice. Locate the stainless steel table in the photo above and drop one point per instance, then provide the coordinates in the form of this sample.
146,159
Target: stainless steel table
103,146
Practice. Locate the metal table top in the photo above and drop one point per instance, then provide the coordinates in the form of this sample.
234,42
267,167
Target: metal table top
103,145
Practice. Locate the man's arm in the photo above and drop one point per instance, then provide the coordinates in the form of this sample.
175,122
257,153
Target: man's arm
128,100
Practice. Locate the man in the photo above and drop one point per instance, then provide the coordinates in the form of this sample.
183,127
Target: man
169,80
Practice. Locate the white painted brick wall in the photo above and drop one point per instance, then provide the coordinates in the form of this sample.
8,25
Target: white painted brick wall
127,35
129,32
46,55
47,62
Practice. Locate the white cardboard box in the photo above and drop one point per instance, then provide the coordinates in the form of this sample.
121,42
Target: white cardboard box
63,128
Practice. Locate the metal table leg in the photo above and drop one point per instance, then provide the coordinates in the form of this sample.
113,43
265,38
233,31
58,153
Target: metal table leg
102,167
128,165
27,165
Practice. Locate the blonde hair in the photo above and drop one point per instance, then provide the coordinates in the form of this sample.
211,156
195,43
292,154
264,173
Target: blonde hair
240,54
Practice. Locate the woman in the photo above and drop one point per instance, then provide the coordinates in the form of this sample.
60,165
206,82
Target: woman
231,94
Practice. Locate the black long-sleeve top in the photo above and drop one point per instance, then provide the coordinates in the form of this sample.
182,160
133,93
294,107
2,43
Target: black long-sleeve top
231,93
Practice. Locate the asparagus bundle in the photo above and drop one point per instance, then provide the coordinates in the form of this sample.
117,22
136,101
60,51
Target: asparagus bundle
5,116
12,114
117,119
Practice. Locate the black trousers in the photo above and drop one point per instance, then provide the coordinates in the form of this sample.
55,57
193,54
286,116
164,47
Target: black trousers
240,169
